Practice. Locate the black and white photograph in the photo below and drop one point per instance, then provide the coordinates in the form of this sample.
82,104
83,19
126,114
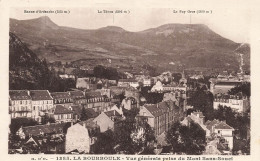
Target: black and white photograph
124,81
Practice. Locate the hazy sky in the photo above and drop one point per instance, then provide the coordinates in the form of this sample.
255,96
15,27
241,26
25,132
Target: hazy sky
232,24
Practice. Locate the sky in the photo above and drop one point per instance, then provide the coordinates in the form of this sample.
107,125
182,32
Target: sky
231,24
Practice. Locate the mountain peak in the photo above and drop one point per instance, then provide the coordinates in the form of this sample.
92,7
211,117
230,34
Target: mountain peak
112,28
42,22
46,21
176,26
44,18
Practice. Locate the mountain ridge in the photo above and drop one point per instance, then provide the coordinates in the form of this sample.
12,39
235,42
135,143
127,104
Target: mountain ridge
179,43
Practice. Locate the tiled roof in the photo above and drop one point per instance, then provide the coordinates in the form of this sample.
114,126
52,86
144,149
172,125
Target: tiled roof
228,83
59,109
117,88
223,125
40,95
93,94
127,80
154,110
209,123
19,95
61,95
217,125
161,107
46,129
76,94
170,85
112,113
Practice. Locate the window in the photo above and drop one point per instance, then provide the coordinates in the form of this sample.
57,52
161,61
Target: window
21,102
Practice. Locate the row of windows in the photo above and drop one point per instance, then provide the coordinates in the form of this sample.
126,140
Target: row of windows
42,102
25,102
21,108
62,100
23,114
63,116
41,108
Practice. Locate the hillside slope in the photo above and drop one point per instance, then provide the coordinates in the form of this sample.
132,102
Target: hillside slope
192,45
27,71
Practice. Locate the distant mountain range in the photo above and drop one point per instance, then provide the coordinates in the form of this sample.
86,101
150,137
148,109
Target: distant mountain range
169,46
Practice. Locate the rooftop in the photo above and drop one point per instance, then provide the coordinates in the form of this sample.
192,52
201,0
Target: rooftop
46,129
59,95
127,80
228,83
112,113
40,95
93,94
59,109
19,95
76,94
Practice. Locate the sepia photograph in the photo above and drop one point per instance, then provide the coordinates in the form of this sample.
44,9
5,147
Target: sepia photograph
122,81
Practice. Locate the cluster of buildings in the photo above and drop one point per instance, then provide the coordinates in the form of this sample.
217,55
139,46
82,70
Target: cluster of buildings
104,109
238,102
224,82
63,106
103,103
219,134
220,87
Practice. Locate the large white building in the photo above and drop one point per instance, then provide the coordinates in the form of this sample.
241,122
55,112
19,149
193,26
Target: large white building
29,104
221,130
238,103
77,138
159,87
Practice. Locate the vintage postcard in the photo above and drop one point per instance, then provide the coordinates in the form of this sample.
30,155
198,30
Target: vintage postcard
137,81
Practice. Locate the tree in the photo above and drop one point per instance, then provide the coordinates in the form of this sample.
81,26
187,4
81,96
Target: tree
132,136
177,77
240,122
186,139
83,115
47,119
19,122
202,101
105,143
244,88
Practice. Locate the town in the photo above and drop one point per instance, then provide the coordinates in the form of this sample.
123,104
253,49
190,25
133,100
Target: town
172,113
176,89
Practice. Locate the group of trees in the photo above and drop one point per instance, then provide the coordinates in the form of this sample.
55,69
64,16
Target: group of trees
83,114
43,78
16,123
100,72
202,100
189,140
129,136
107,73
240,122
152,97
244,88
